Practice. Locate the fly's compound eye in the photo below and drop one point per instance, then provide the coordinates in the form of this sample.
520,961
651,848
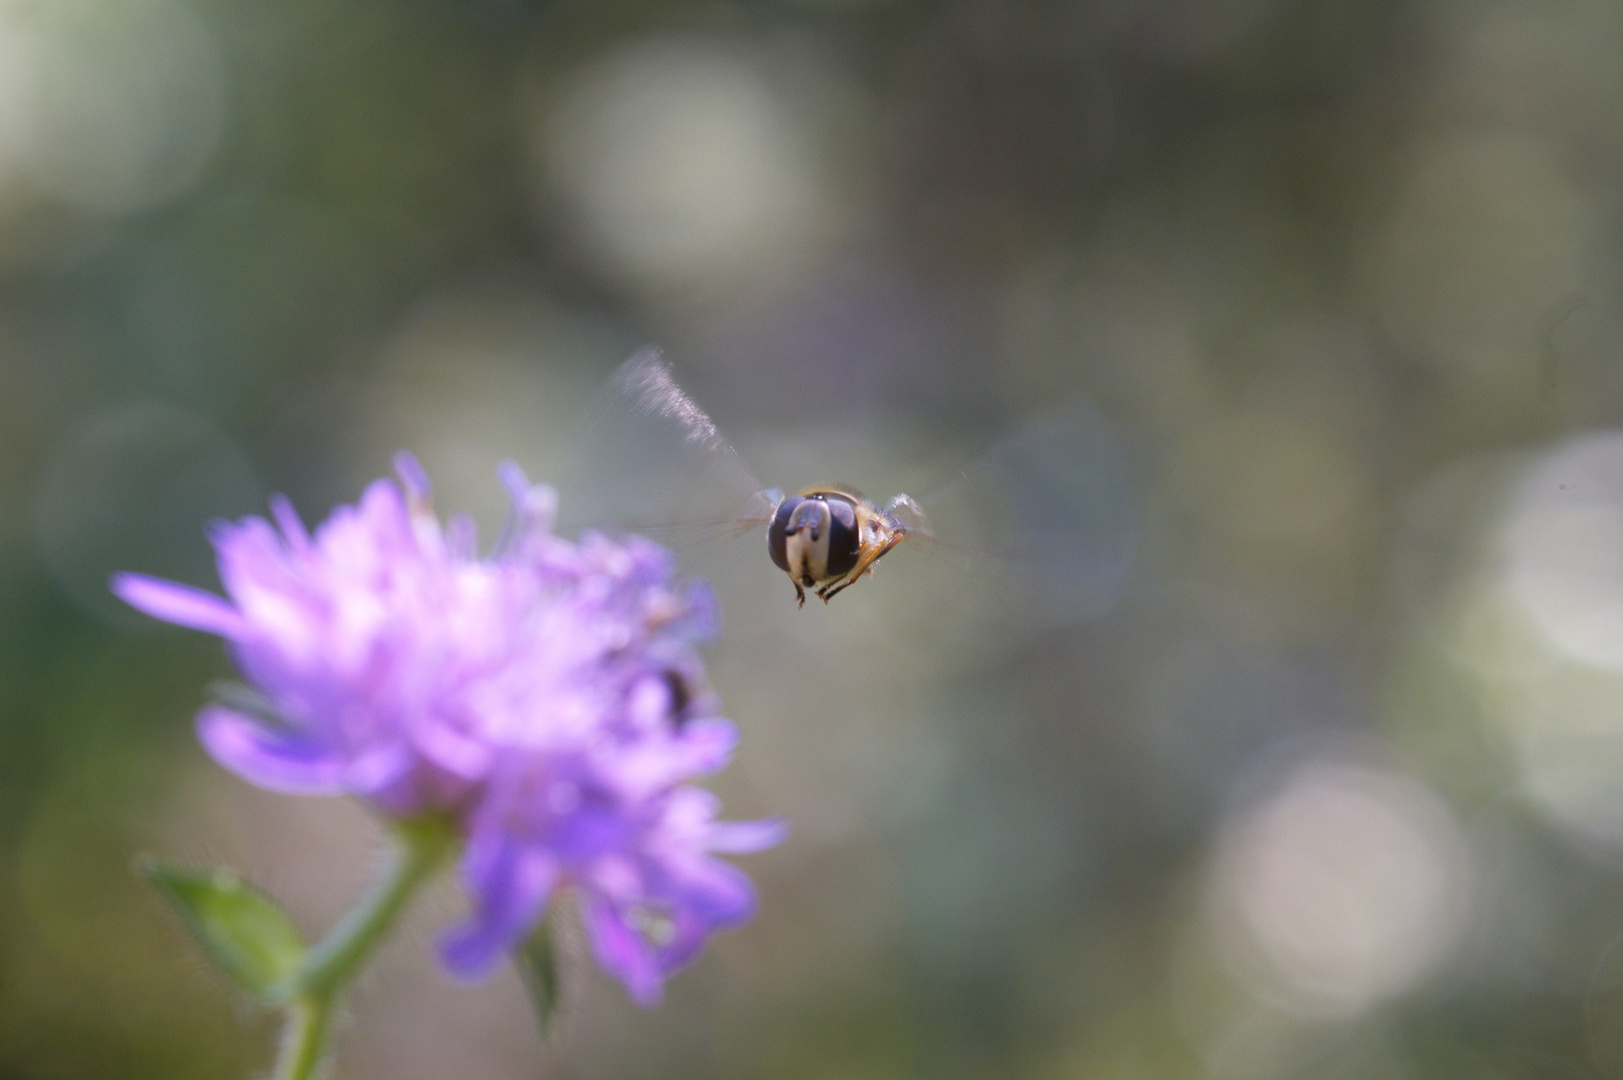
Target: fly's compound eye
844,536
777,533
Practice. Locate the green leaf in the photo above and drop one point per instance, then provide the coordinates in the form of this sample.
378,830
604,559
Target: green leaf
241,928
537,963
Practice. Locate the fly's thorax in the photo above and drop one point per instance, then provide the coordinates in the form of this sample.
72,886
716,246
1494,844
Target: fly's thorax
880,528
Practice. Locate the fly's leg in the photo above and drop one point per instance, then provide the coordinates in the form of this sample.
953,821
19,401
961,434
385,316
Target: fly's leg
828,592
800,594
863,567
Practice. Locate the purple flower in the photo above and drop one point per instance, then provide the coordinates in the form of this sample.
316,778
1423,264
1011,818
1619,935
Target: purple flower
548,698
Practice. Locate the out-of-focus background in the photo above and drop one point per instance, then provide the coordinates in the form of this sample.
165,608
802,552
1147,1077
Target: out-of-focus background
1309,763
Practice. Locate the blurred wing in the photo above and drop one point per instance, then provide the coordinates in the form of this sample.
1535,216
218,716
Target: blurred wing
650,460
1048,510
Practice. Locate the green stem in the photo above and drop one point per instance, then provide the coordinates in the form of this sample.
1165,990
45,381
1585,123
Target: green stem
423,845
304,1040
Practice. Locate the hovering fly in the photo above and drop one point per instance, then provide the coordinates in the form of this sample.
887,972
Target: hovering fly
1044,516
824,537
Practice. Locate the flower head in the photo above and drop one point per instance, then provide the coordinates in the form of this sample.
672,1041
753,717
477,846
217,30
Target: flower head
548,698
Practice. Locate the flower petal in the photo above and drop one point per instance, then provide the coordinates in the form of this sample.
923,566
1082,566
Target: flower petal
624,952
718,892
180,604
287,519
707,745
412,476
272,758
386,775
456,752
511,884
513,479
462,537
743,837
688,935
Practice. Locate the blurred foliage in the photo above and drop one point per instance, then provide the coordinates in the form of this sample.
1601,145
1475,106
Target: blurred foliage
1332,789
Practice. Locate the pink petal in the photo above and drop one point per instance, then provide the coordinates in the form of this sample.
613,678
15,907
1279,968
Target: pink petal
624,952
272,758
412,476
385,775
707,745
180,604
510,884
743,837
287,519
458,754
718,892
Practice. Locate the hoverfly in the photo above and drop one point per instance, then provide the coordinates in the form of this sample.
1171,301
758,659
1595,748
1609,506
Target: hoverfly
1051,495
825,537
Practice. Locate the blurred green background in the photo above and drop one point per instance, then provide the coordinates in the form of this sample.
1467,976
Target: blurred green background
1329,785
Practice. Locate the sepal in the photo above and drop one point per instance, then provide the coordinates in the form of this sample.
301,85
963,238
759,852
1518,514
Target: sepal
241,928
536,959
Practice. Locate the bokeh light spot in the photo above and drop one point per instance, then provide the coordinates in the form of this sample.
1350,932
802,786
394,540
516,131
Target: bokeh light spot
683,163
1343,890
114,107
1539,629
1565,545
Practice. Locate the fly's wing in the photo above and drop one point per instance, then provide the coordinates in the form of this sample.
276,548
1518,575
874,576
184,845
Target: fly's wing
1047,512
649,459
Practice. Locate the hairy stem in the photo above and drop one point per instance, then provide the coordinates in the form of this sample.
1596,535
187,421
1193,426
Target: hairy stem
422,846
304,1039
